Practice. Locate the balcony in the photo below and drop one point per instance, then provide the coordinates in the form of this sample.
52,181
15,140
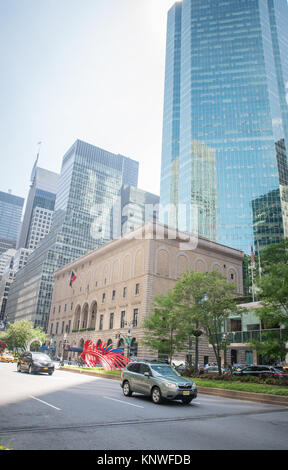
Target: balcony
257,335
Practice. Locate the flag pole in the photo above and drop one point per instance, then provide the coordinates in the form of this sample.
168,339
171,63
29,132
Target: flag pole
259,260
252,272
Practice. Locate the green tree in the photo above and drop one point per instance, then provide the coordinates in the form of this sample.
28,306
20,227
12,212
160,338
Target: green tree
274,254
19,335
271,347
273,292
273,285
207,299
162,329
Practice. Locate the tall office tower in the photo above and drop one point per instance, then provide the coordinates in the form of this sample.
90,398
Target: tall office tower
5,259
10,216
137,207
39,207
90,182
225,109
270,211
15,260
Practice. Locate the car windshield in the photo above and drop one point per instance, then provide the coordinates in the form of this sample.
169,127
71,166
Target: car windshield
41,357
162,369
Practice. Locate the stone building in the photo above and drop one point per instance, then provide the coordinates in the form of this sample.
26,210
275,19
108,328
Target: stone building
115,285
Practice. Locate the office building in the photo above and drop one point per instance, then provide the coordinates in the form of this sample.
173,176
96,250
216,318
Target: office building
225,117
39,207
10,216
89,184
137,207
15,260
5,259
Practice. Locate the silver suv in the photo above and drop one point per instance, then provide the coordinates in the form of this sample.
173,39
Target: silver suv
158,381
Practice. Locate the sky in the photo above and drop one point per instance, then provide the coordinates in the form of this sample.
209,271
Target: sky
81,69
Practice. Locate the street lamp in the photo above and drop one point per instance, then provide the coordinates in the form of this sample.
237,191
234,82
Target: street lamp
224,342
63,346
127,337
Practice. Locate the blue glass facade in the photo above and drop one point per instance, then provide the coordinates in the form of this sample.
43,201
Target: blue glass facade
10,216
226,106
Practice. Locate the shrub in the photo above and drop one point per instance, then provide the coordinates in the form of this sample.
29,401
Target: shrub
245,379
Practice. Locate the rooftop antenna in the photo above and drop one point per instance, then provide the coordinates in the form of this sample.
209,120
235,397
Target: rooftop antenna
33,174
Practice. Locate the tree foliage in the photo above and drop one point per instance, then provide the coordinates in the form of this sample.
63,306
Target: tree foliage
207,300
273,285
19,335
199,303
162,331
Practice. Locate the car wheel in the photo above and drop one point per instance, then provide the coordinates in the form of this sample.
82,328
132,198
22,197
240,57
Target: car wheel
18,368
126,389
186,400
156,395
50,373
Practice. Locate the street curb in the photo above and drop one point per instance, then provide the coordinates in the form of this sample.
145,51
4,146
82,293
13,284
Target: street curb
235,394
93,374
247,396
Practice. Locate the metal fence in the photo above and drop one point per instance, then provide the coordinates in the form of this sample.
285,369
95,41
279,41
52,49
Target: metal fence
256,335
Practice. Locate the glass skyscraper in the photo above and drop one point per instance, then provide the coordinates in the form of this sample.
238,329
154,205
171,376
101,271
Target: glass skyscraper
41,198
226,119
10,220
90,181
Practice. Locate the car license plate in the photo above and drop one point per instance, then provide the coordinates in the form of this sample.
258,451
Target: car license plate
45,368
186,393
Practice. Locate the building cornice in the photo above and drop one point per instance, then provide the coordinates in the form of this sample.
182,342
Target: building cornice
151,231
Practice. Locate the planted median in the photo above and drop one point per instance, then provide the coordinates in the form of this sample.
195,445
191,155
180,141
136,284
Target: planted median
227,384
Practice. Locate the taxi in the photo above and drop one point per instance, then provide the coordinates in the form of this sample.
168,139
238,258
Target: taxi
7,357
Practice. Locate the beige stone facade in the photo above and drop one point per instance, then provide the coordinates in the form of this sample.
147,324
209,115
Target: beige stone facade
115,285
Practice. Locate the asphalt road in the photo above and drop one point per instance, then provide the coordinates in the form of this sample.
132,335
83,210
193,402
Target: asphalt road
70,411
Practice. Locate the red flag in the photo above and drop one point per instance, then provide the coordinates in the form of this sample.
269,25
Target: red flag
72,278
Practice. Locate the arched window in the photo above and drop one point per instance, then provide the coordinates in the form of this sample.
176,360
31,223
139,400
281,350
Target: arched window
120,343
134,348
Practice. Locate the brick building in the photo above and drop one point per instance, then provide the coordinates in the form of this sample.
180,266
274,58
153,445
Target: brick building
116,283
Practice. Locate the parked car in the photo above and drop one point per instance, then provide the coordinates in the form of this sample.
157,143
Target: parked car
213,370
261,371
7,357
282,367
34,362
276,372
239,367
157,380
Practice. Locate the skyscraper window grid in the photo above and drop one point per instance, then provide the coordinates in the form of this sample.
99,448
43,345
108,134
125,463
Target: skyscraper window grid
232,98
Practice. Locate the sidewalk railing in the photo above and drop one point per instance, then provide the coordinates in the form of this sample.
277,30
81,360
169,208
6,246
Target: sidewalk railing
257,335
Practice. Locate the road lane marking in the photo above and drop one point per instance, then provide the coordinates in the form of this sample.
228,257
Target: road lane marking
45,403
125,403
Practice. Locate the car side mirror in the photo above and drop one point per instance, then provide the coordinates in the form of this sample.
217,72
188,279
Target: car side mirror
147,374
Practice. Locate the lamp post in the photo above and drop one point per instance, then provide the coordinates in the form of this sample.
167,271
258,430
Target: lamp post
127,338
224,342
63,347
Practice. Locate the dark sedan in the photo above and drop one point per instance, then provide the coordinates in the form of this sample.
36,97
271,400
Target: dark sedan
35,362
262,371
